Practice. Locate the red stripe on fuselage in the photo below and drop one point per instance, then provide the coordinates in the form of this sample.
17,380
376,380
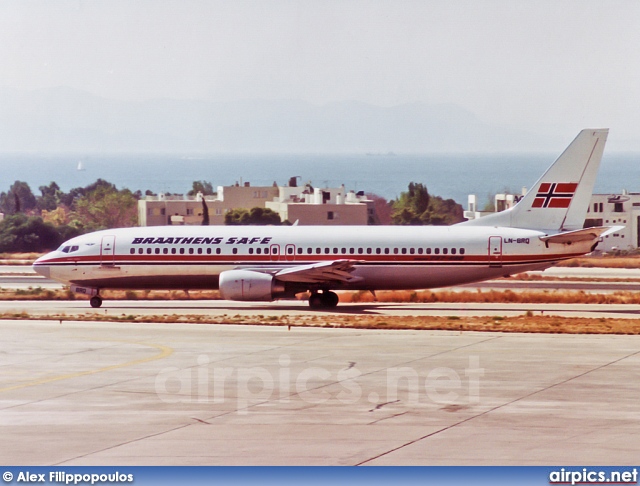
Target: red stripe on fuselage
301,259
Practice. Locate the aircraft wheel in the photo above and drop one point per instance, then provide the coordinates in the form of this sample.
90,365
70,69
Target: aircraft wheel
330,299
316,301
95,301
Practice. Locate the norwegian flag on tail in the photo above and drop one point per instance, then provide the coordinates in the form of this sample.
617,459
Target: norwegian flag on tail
555,194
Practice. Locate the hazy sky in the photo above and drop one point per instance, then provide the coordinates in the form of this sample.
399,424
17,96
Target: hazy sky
542,64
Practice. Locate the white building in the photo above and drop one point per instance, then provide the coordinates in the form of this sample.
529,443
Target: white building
500,203
322,206
616,210
304,204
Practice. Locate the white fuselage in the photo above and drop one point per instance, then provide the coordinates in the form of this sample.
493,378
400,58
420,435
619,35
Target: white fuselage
385,257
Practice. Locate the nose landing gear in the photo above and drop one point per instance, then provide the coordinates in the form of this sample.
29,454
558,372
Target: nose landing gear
325,300
95,301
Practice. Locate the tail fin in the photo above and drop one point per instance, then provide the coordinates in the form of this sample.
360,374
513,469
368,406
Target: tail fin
558,201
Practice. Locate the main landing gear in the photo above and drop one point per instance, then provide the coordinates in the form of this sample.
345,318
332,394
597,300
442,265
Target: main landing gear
325,300
95,301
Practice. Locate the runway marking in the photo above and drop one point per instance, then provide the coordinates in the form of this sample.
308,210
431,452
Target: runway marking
165,351
497,407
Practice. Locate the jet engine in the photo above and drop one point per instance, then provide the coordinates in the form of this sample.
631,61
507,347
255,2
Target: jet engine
249,285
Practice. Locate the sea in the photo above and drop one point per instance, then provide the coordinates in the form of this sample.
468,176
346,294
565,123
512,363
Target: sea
453,176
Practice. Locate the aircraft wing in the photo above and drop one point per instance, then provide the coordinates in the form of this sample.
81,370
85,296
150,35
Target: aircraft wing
585,234
324,272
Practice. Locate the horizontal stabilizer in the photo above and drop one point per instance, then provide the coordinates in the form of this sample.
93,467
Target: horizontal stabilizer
586,234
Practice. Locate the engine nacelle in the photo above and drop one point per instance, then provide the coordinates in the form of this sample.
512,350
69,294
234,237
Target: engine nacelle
249,285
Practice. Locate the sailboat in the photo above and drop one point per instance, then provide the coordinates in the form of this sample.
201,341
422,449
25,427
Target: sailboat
80,165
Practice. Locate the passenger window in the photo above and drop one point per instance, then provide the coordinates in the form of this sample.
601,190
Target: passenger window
386,251
208,251
343,251
157,251
445,251
250,251
404,251
299,251
368,251
318,250
190,251
335,251
352,250
289,250
412,250
378,251
453,251
360,251
462,251
132,251
326,251
140,251
436,251
235,251
419,251
309,251
218,251
182,251
395,251
428,251
266,251
165,251
148,251
173,251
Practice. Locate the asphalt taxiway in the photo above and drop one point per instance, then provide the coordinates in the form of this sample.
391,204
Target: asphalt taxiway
223,310
96,393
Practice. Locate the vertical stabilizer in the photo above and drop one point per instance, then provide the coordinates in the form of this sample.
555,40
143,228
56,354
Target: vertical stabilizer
558,201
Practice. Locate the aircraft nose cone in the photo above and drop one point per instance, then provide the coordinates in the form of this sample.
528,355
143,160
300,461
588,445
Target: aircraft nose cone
40,267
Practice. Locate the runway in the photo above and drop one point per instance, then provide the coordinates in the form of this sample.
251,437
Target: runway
161,394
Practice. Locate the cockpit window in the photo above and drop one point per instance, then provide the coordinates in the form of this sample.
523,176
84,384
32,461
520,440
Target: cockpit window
65,249
74,248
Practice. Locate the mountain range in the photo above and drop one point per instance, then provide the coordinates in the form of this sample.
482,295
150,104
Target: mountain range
67,120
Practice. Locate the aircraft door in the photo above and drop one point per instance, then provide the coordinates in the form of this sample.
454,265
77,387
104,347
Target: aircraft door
495,251
274,253
108,250
290,252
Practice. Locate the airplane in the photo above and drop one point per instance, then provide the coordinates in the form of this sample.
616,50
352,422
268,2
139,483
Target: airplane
266,263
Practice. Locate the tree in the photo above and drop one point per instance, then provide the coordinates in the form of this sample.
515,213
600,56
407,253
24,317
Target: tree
106,207
205,213
418,207
50,197
18,199
206,188
253,216
445,211
20,233
57,217
78,192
